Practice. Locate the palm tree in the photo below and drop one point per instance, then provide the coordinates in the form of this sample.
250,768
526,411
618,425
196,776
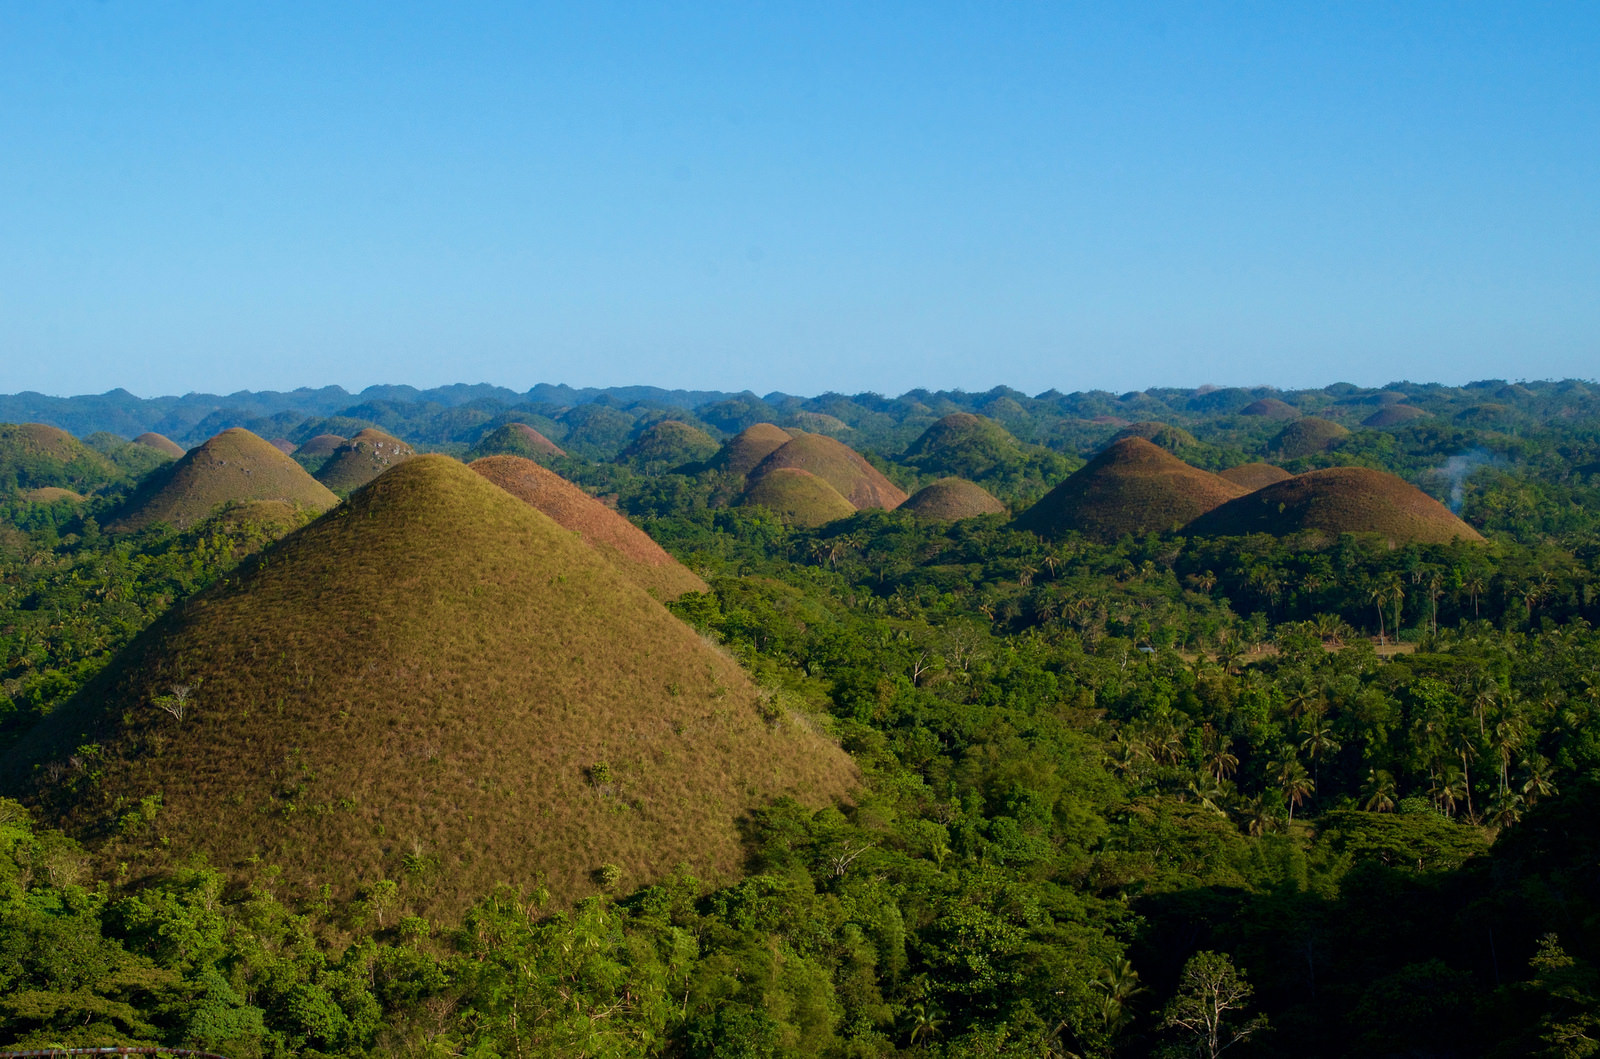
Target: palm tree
1319,741
1538,783
1474,586
925,1022
1378,595
1380,791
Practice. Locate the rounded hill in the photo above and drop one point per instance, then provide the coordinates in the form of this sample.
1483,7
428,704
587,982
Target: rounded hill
1254,475
964,445
321,445
669,444
1306,437
798,496
515,439
741,453
837,464
1169,437
952,499
51,494
161,443
644,561
433,682
232,467
1134,486
1270,408
1337,500
33,455
361,459
1393,415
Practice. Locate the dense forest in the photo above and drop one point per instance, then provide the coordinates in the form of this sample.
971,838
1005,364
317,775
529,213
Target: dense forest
1164,794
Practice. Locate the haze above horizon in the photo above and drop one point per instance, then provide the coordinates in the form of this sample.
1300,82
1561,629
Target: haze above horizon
196,198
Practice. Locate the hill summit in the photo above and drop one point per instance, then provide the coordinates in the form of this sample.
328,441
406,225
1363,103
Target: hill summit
161,443
1133,486
952,499
361,459
837,464
515,439
644,561
798,496
234,466
1337,500
741,453
434,682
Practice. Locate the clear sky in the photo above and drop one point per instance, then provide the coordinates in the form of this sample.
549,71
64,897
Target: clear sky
804,196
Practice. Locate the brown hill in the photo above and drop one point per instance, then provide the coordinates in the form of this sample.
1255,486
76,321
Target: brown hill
234,466
1337,500
361,459
321,445
51,494
1306,437
1254,476
797,496
1169,437
1270,408
742,452
284,445
1134,486
952,499
626,545
837,464
515,439
433,683
1393,415
161,443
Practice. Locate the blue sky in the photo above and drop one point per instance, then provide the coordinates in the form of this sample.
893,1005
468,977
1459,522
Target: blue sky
801,197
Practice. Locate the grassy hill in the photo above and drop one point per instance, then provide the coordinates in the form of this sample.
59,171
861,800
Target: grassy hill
1173,439
1270,408
1306,437
234,466
433,683
515,439
1254,476
1133,486
963,445
667,445
50,494
797,496
361,459
33,455
1393,415
741,453
161,443
836,463
321,445
626,545
1338,500
952,499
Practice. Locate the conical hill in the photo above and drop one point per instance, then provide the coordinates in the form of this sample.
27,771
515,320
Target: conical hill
515,439
434,683
669,444
837,464
234,466
963,444
1338,500
1254,475
1133,486
33,456
644,561
161,443
1306,437
952,499
1393,415
797,496
321,445
742,452
361,459
1270,408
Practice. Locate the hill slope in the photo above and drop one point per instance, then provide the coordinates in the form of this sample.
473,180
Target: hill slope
515,439
964,445
161,443
951,499
234,466
1338,500
669,444
361,459
434,683
797,496
837,464
1306,437
741,453
626,545
1134,486
1254,475
33,456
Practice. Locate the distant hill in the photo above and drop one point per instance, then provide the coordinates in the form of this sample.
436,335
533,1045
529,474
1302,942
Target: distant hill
1254,475
234,466
798,496
952,499
963,445
33,456
50,494
1338,500
161,443
1270,408
1306,437
361,459
630,548
515,439
741,453
321,445
433,683
1173,439
1133,486
837,464
668,445
1393,415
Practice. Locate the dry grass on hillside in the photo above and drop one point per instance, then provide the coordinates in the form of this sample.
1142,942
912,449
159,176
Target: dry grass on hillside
626,545
1270,408
670,443
232,467
361,459
797,496
1254,476
1393,415
433,683
51,494
516,439
952,499
745,450
321,445
837,464
161,443
1338,500
1133,486
1306,437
